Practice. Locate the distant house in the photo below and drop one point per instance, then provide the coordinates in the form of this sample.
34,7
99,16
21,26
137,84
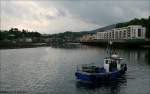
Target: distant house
20,40
28,40
11,35
24,40
129,32
87,37
47,39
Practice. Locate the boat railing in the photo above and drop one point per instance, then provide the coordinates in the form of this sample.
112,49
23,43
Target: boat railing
87,67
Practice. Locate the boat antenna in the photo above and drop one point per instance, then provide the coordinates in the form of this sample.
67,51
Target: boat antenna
109,48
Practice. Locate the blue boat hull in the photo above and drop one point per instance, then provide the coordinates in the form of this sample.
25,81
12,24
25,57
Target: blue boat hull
98,77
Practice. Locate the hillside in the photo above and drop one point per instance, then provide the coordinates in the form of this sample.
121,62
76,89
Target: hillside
103,28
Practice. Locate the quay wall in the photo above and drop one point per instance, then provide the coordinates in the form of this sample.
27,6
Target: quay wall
119,43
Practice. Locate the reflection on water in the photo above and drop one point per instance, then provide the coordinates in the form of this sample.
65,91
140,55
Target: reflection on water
50,70
71,46
135,55
67,46
112,85
147,57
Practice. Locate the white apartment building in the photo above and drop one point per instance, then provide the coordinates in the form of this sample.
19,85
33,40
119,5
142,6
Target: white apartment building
129,32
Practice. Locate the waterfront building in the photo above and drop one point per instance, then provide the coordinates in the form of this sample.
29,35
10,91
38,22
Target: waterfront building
129,32
87,37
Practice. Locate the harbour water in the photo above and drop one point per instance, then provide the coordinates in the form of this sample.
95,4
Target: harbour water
50,70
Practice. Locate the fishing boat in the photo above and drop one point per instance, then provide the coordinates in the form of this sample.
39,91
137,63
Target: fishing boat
112,69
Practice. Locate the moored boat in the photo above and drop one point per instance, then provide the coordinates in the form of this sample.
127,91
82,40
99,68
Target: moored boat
112,69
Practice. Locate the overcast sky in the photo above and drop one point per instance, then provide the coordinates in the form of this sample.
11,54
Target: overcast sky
60,16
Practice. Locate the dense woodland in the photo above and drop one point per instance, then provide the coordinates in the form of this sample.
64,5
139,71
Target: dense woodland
15,33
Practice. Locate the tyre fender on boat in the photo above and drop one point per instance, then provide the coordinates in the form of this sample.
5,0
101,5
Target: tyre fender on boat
125,67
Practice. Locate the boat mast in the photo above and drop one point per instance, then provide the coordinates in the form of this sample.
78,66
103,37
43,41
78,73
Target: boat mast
109,52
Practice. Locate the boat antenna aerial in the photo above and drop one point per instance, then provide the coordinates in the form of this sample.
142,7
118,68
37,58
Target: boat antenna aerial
109,48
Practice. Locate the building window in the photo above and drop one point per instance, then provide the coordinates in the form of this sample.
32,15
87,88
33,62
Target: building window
113,34
124,34
139,32
105,35
128,32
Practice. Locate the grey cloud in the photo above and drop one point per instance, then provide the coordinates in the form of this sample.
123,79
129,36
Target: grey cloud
14,10
60,13
104,13
74,14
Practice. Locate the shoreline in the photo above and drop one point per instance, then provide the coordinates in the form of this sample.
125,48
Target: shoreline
119,43
22,45
97,44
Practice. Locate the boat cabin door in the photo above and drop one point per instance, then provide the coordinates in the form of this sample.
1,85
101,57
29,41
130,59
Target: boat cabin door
106,64
111,65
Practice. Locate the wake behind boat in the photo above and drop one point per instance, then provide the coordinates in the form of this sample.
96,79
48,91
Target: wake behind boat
112,69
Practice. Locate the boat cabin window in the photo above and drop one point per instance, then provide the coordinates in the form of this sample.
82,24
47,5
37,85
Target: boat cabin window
106,61
113,61
113,65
